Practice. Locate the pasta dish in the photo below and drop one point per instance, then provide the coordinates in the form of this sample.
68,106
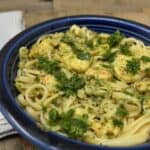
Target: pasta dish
93,87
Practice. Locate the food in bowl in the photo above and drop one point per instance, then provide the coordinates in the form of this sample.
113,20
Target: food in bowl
94,87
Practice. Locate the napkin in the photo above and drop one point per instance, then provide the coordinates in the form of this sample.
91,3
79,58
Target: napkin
11,23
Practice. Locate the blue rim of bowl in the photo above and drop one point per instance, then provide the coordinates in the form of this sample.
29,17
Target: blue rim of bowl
18,38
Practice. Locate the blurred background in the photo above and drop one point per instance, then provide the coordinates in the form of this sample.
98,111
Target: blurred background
36,11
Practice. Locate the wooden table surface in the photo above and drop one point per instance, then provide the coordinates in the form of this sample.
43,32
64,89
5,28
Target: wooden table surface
35,11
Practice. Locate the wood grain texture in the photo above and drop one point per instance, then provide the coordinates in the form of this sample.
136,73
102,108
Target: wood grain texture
36,11
128,9
24,5
31,19
103,5
16,143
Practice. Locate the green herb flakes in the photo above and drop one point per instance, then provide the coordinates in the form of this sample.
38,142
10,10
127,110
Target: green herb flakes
124,49
115,38
118,123
133,66
145,59
121,111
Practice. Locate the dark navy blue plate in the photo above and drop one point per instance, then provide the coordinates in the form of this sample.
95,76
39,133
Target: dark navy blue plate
16,116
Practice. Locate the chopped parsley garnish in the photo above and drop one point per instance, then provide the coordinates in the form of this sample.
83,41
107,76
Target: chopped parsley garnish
128,92
74,127
145,59
121,111
68,114
109,56
82,55
77,51
37,79
115,38
76,81
118,123
49,66
109,66
69,86
142,99
60,76
124,49
98,41
147,70
54,116
133,66
68,40
90,44
93,43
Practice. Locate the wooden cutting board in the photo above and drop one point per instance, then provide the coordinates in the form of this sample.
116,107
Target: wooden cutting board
37,11
137,10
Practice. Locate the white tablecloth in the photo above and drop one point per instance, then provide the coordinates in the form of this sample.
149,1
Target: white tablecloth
11,23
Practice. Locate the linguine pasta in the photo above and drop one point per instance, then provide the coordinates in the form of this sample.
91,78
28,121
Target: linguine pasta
94,87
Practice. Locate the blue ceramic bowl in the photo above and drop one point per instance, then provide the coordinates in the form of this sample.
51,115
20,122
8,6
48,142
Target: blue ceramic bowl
8,67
